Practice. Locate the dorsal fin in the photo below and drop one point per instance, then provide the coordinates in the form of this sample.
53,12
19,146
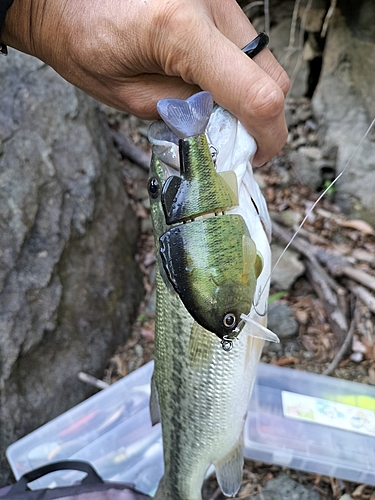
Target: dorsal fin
187,118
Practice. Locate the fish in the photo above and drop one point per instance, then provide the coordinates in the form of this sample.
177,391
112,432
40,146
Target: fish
200,392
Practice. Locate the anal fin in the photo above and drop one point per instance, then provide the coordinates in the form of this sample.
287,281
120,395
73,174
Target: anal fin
154,404
229,470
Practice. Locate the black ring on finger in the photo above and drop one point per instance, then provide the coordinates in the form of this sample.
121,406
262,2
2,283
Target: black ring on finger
255,46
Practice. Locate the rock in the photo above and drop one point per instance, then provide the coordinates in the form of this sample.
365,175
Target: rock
68,284
287,270
312,153
305,168
281,320
288,217
344,102
284,488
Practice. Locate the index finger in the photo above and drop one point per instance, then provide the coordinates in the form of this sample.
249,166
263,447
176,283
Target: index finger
246,90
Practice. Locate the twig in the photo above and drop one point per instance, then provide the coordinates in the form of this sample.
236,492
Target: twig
359,276
250,5
215,494
129,150
300,43
292,35
90,380
364,295
329,301
342,351
313,254
329,14
267,23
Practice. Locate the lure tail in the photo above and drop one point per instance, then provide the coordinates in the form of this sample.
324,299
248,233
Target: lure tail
187,118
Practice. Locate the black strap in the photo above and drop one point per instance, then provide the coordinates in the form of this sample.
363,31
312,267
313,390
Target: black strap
4,6
92,476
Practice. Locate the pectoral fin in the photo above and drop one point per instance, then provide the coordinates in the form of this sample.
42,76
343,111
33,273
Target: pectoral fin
154,404
229,470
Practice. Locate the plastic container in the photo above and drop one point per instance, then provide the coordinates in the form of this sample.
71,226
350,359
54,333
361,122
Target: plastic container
312,423
295,419
112,430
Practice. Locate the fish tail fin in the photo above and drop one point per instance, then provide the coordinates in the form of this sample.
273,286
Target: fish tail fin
229,470
187,118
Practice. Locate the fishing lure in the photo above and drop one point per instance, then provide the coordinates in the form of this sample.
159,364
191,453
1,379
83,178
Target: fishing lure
208,255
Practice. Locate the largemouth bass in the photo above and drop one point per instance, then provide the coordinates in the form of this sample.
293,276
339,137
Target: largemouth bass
200,392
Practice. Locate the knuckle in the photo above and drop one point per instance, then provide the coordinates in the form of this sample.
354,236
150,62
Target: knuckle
266,102
175,26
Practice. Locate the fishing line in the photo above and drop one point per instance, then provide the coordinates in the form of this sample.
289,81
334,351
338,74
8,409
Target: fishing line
261,291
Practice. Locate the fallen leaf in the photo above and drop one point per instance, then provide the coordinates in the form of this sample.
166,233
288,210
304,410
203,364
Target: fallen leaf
357,224
147,334
358,491
291,360
149,258
302,316
358,346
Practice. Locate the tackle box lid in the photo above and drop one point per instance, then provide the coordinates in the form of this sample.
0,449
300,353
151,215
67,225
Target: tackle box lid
295,419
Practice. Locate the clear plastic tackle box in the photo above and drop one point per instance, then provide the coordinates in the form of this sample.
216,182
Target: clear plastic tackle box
296,419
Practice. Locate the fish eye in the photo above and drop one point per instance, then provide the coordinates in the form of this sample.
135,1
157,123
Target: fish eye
153,187
229,320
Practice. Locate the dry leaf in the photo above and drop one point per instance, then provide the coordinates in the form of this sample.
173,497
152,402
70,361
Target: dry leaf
358,346
357,224
147,334
149,258
291,360
302,316
358,491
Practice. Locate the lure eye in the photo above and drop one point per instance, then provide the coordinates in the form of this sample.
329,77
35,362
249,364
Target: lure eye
213,152
153,187
229,321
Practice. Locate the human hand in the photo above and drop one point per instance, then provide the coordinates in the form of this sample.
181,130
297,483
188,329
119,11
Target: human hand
131,53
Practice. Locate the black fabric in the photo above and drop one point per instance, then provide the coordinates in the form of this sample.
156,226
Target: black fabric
92,486
4,6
